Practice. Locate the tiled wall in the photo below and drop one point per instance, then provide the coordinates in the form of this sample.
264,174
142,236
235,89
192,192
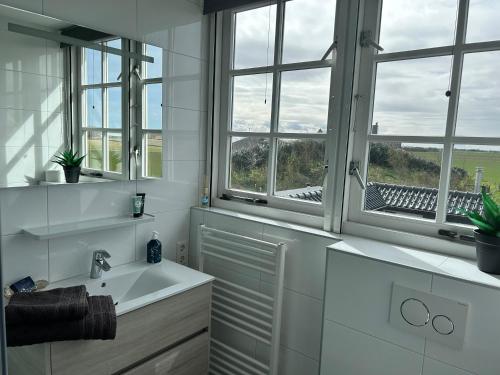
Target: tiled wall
31,120
181,29
303,296
358,339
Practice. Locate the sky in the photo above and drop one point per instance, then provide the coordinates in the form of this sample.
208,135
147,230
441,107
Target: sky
409,96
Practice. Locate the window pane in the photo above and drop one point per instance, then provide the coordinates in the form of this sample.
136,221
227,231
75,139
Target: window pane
304,101
92,66
478,110
252,103
249,157
94,150
483,21
254,37
474,168
300,169
153,146
153,106
410,24
153,70
403,179
114,62
115,152
93,108
114,107
410,97
309,26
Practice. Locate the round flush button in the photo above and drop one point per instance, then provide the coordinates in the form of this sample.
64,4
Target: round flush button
415,312
443,325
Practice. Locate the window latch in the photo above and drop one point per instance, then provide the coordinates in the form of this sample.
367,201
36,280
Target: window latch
354,171
366,40
137,73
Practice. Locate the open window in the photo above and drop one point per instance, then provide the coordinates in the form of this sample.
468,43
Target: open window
275,103
427,134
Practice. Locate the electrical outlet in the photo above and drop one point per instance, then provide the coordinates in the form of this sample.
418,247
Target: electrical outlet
181,253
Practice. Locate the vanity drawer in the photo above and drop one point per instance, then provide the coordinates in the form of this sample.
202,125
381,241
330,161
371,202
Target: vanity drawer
140,334
189,358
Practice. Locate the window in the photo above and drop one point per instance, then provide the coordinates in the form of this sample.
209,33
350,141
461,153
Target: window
427,132
102,126
105,130
275,103
151,91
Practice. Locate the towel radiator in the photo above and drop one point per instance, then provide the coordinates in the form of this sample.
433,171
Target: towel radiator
241,308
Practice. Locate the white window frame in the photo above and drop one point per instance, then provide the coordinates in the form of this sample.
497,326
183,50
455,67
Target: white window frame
301,207
355,218
80,108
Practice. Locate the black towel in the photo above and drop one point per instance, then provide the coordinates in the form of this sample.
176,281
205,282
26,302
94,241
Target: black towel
98,324
54,305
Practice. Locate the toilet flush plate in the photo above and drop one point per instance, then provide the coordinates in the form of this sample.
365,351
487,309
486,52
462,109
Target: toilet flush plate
428,315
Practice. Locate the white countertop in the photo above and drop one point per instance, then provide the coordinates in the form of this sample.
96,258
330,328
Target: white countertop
439,264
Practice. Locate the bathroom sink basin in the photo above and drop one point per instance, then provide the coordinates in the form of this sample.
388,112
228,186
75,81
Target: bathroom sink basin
138,284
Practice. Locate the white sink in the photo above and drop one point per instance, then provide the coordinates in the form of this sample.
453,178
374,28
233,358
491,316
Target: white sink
139,284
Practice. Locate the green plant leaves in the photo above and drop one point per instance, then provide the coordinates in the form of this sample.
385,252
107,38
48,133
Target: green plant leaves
489,222
68,158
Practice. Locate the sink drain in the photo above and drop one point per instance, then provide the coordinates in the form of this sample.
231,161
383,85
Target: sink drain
103,285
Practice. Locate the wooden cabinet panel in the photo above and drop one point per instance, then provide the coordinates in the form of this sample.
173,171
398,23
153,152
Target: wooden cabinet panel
140,334
189,358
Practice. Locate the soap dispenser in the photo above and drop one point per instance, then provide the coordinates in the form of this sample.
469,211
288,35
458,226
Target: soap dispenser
154,249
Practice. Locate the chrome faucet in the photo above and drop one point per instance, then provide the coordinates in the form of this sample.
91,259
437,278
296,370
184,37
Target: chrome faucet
99,263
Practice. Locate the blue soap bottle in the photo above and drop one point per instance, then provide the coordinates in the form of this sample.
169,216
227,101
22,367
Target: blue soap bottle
154,249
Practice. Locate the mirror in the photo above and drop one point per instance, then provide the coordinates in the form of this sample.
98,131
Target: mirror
66,87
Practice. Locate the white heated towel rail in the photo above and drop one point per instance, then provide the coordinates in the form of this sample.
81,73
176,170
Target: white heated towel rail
240,308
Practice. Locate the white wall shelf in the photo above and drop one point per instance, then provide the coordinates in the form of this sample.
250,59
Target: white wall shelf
61,230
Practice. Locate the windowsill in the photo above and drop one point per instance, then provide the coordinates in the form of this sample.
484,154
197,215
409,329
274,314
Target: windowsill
272,222
441,264
438,264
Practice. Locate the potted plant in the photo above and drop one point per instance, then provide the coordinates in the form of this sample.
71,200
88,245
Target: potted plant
487,235
71,163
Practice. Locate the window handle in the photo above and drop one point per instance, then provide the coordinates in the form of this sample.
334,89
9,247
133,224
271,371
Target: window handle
366,40
354,171
119,77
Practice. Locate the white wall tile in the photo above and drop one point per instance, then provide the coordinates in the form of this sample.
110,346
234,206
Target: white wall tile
21,53
178,189
111,16
71,256
31,5
234,339
305,262
23,256
348,352
197,218
290,361
173,226
23,207
432,367
358,295
176,25
301,324
234,225
479,353
19,90
89,201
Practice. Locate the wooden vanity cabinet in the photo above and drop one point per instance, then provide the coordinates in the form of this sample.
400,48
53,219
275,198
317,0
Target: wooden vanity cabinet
169,337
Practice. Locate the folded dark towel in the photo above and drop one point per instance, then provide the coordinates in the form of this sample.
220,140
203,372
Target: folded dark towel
48,306
99,323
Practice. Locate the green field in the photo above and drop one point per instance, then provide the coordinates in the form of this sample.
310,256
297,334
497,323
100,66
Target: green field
468,160
154,156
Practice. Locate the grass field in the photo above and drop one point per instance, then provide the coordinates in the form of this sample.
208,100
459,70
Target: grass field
154,156
469,160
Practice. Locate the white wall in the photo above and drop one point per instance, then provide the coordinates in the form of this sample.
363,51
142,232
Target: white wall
303,296
358,339
180,27
31,118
